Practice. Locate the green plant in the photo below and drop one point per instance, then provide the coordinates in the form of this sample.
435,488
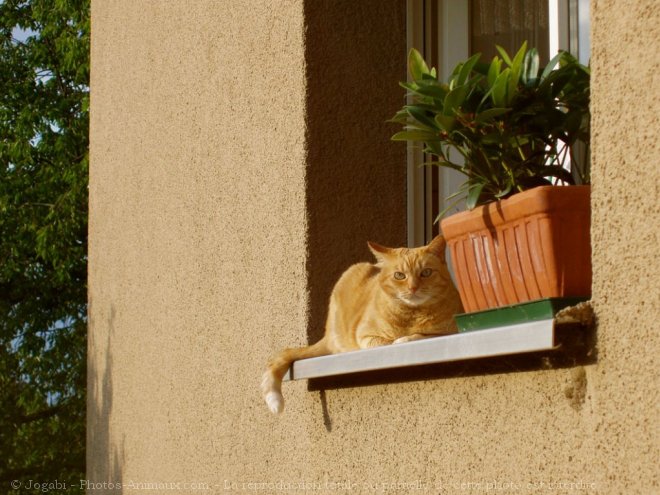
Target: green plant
514,123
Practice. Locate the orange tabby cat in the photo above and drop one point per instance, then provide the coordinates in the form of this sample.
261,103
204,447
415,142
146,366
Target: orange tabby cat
407,295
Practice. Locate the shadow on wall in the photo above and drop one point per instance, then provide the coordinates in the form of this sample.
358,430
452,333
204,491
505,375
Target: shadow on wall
355,56
104,458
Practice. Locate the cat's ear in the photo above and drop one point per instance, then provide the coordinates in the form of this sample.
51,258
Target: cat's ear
437,246
380,252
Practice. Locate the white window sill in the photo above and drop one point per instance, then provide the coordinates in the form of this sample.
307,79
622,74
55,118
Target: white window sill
514,339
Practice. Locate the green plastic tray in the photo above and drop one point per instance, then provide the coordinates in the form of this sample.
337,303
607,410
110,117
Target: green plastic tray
540,309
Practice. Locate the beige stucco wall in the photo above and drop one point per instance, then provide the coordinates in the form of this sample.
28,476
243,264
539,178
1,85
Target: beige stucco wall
625,235
239,160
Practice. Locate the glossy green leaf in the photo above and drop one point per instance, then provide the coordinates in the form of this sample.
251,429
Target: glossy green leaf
454,100
531,67
504,191
551,65
416,64
446,122
421,117
520,55
500,87
490,114
433,146
466,68
474,192
433,90
494,70
516,71
504,55
410,86
401,117
413,136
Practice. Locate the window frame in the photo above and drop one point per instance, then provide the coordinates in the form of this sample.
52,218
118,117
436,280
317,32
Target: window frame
540,336
569,30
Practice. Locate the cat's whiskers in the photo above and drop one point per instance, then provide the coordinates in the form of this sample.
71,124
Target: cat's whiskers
416,298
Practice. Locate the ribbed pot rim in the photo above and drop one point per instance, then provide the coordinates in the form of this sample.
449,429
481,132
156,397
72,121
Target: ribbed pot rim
542,199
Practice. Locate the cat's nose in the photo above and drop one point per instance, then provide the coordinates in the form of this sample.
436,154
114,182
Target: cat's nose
413,288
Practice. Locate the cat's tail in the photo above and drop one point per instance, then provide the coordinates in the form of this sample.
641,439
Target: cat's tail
271,383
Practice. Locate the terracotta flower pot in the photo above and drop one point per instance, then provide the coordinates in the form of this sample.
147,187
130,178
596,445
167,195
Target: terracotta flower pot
532,245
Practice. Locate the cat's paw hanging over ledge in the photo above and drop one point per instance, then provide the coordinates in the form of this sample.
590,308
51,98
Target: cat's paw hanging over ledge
275,402
270,387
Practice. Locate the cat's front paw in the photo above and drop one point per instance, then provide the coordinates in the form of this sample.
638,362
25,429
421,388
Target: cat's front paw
410,338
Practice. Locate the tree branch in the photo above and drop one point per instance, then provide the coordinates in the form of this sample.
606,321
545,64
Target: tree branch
39,415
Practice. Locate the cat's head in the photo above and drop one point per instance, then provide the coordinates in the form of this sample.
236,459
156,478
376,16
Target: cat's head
413,276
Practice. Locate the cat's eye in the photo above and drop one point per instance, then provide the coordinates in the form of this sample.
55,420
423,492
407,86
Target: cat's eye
426,272
399,275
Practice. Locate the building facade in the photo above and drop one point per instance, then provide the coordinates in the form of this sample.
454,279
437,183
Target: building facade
240,160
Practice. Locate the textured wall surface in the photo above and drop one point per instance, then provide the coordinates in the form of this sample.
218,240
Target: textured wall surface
198,250
239,160
625,236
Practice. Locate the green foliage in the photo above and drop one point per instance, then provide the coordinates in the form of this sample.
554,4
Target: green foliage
514,127
44,77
